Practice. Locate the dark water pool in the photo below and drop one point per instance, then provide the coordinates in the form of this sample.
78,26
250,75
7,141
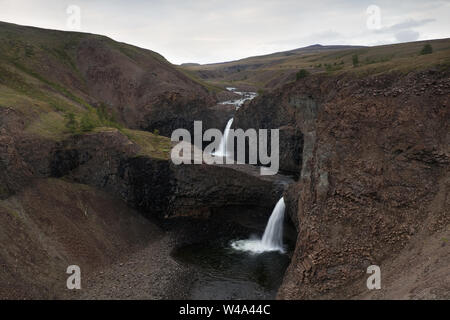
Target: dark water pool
225,273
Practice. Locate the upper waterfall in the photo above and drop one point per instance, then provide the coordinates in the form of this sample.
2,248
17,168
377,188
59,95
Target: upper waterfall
222,149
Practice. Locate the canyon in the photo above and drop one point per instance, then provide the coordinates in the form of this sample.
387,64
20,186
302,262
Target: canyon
364,172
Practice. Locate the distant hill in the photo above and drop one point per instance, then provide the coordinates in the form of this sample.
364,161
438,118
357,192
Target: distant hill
315,48
189,64
273,70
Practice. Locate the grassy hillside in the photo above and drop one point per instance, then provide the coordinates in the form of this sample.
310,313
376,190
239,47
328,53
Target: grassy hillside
42,79
278,68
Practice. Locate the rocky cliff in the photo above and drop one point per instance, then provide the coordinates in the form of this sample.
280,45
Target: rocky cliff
374,178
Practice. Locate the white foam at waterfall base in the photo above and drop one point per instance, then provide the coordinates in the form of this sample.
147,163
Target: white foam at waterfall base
272,239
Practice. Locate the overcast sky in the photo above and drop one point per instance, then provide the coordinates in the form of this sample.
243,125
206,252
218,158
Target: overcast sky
206,31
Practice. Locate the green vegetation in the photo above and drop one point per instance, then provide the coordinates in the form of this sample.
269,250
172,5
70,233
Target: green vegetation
191,75
371,60
29,61
332,67
50,125
9,209
4,191
89,120
11,206
62,90
301,74
107,118
133,52
71,122
427,49
150,144
355,60
87,123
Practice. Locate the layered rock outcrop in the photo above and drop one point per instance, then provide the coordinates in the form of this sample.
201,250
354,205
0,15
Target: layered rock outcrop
109,161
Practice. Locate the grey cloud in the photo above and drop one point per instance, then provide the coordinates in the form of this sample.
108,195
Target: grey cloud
408,24
313,38
407,35
403,31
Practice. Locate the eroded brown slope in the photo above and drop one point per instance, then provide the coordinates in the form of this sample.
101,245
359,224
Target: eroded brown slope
52,224
146,92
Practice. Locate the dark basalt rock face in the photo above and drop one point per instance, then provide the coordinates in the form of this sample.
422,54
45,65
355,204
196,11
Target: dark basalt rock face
263,113
201,190
148,184
109,161
157,187
291,146
171,115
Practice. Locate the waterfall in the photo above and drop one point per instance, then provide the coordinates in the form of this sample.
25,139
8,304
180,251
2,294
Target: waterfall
272,239
222,149
273,235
